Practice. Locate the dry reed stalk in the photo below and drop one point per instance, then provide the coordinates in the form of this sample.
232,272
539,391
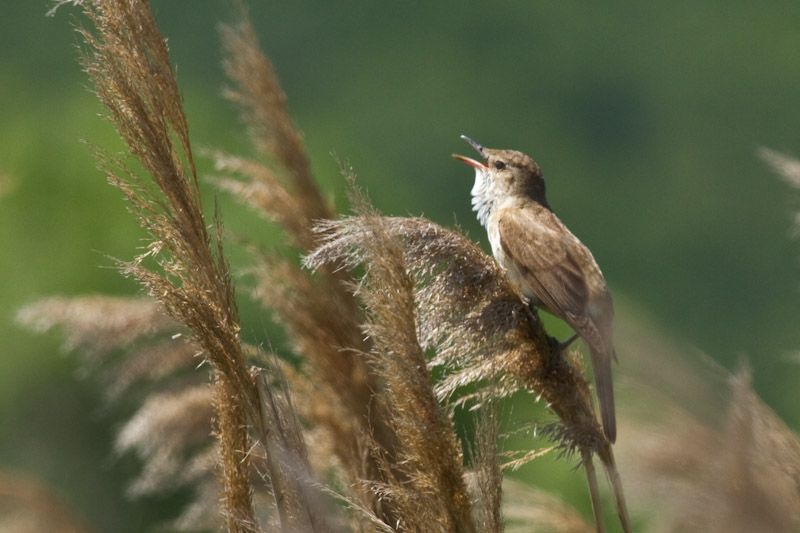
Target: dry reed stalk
231,433
300,504
487,475
128,62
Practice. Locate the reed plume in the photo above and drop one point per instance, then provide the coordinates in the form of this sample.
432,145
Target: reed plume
787,167
703,451
128,63
136,350
97,325
431,494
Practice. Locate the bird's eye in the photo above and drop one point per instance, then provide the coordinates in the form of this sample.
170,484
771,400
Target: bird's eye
499,165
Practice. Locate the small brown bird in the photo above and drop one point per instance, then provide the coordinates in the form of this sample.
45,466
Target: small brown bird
546,263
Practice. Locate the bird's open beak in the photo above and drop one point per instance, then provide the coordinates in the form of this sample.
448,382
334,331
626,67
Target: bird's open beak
468,160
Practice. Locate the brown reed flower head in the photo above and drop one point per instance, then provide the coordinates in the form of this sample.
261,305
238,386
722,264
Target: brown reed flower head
704,453
98,324
262,104
134,347
486,478
468,313
184,266
431,494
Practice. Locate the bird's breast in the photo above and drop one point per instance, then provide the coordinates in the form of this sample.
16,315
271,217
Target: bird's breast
513,273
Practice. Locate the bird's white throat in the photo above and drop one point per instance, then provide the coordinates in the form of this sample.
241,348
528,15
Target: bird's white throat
483,196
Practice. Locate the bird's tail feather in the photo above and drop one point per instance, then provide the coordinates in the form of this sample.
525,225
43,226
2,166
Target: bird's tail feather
601,363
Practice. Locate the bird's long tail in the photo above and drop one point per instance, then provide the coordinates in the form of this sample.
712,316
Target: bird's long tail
601,363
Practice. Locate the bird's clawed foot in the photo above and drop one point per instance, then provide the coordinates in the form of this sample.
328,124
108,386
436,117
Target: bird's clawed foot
562,346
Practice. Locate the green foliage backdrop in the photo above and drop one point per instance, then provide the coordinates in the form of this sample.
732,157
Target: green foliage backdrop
644,117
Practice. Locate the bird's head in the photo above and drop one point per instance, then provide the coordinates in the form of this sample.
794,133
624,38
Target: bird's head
505,173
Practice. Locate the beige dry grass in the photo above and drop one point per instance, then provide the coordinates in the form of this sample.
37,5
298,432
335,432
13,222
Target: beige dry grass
388,303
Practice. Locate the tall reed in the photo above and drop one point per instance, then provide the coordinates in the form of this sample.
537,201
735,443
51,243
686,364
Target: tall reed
373,307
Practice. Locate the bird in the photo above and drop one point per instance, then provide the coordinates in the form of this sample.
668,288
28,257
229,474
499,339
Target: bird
545,263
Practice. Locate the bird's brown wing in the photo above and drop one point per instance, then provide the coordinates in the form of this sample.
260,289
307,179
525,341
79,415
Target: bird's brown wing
547,255
551,259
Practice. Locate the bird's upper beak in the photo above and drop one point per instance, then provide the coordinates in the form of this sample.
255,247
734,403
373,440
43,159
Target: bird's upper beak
468,160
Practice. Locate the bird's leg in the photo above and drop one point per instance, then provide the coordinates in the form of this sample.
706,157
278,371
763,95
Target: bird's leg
533,312
564,345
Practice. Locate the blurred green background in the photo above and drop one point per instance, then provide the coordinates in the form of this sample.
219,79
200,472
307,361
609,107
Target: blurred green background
644,116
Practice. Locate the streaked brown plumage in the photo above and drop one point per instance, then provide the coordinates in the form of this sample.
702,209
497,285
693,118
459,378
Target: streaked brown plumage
547,264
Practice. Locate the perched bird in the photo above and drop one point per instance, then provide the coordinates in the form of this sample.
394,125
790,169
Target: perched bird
544,261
